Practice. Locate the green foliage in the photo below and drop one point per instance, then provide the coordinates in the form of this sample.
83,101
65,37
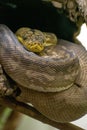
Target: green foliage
4,116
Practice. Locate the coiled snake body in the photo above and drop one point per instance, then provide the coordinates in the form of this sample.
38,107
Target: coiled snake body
54,83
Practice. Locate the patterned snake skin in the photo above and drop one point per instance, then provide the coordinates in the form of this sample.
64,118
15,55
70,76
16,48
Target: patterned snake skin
54,83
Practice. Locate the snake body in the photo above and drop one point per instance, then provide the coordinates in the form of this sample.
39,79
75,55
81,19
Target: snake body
55,83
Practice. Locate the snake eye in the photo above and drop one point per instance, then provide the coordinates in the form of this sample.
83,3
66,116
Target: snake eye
24,38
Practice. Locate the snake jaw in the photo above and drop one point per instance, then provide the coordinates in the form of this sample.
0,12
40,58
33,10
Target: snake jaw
33,46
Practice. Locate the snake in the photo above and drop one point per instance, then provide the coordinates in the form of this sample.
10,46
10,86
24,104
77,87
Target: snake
54,83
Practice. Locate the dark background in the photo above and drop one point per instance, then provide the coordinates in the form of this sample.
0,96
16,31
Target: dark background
36,14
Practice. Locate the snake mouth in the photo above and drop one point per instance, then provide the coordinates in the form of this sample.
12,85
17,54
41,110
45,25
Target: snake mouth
31,46
35,47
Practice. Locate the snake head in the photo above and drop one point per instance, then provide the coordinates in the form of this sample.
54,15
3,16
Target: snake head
34,40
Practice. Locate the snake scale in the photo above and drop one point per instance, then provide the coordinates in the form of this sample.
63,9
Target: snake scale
55,83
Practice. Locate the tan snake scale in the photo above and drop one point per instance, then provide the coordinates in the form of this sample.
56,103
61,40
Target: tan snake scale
54,83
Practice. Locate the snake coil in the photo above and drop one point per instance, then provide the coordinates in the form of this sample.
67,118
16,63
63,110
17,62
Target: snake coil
55,83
